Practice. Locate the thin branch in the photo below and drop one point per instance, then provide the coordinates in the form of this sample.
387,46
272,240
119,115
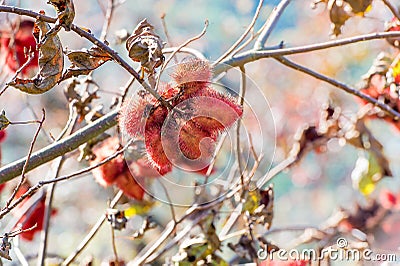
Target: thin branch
92,232
274,171
245,33
73,116
40,184
253,55
107,21
185,44
89,36
270,24
47,215
165,28
114,245
171,205
393,9
384,107
31,56
179,48
59,148
186,50
22,180
241,101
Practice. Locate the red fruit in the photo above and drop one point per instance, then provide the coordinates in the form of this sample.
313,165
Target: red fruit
107,173
33,216
116,172
127,183
2,186
185,135
15,49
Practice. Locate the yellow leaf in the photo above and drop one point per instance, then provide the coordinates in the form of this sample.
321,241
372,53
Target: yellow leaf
139,208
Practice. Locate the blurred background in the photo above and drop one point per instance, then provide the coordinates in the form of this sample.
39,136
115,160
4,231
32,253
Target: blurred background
305,195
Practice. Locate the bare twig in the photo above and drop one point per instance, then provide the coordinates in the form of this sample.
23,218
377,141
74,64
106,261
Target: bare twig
92,232
245,33
47,216
270,24
384,107
186,50
183,45
31,56
73,116
107,21
114,245
171,205
165,28
59,148
253,55
392,8
241,101
22,180
40,184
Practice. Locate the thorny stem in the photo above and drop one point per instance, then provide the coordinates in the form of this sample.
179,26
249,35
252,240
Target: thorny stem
245,33
270,24
92,232
22,180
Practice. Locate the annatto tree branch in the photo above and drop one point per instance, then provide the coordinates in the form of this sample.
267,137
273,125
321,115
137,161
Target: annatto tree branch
253,55
72,142
59,148
94,40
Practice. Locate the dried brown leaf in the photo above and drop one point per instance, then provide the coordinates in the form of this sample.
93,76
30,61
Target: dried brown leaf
51,63
83,62
65,12
145,46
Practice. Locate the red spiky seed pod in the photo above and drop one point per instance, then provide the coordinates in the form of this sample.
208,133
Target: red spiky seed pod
187,132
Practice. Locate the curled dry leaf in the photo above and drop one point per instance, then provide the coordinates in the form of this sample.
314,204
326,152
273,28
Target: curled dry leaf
4,122
51,63
145,46
83,62
65,12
